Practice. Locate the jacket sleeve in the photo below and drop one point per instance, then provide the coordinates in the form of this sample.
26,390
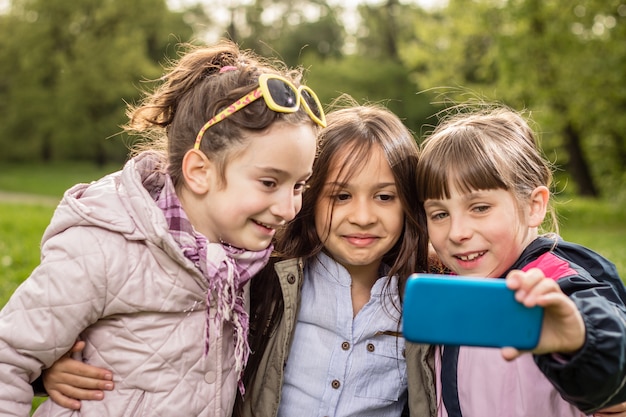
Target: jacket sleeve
48,311
595,376
422,399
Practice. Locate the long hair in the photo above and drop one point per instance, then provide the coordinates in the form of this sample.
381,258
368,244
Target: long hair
358,129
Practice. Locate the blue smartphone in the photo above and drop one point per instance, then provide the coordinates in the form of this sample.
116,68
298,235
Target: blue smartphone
456,310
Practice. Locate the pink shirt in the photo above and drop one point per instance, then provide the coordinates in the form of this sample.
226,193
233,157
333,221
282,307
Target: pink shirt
490,386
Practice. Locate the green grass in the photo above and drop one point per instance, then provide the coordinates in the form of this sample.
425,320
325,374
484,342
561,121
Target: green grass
48,179
598,225
21,227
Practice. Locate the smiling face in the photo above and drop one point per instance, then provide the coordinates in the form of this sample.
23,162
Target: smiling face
263,187
479,233
359,218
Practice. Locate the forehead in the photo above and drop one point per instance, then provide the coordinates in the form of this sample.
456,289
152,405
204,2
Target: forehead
284,147
351,165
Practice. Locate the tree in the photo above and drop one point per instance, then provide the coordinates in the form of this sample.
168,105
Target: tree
287,29
70,66
540,55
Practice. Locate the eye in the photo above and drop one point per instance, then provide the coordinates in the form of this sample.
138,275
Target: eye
300,187
342,196
386,197
437,215
481,208
269,183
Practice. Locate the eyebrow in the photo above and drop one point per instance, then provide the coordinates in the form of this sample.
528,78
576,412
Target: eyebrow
279,172
473,195
431,203
346,184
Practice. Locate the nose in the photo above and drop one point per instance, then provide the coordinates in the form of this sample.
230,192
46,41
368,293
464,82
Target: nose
286,205
362,212
460,229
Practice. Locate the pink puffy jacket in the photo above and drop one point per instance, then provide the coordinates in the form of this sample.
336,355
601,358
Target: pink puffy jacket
112,275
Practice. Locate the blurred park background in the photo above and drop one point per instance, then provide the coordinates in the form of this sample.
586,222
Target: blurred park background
68,68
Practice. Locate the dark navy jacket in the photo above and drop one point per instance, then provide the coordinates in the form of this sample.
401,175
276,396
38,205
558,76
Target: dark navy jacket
595,377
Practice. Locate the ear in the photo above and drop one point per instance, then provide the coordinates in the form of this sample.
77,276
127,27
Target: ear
539,198
197,171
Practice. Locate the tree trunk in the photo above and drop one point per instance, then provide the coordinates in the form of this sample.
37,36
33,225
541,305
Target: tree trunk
577,165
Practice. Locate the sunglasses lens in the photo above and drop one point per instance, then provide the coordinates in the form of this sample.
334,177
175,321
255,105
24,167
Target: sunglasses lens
282,94
311,102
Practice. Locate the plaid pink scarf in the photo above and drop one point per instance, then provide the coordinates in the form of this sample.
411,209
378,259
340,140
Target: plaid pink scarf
226,269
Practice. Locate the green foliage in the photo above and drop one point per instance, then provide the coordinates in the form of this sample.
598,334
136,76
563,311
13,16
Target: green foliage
294,29
356,76
68,67
563,61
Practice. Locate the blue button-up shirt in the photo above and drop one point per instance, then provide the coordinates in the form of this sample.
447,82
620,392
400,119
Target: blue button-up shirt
339,365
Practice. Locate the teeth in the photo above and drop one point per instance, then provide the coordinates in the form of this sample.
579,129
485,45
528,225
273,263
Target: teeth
265,225
471,257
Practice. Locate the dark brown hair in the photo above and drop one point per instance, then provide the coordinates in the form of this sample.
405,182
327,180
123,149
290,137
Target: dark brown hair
358,129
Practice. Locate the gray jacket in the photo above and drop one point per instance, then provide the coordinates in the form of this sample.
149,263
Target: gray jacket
263,394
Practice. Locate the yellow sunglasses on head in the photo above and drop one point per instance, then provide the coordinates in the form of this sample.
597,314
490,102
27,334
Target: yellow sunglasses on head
280,95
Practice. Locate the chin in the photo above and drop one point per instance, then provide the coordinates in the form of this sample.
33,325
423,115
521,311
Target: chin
258,245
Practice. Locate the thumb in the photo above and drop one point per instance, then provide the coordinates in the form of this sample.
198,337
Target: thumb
509,353
78,347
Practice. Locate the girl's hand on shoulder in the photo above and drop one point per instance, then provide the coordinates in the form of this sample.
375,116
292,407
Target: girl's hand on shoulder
69,380
563,329
618,410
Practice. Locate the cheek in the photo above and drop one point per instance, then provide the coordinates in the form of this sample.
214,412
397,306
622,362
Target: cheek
322,220
298,204
435,233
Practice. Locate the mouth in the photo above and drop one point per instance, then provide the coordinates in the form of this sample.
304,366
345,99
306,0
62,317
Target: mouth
470,257
360,240
267,226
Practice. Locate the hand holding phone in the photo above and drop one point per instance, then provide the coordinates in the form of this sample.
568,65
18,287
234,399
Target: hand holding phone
456,310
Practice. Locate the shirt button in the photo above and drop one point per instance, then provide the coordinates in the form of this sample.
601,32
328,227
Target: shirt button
291,278
345,345
335,384
370,347
209,377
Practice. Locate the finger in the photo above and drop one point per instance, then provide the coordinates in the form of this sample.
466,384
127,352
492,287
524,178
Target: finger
514,279
73,393
556,299
63,401
617,410
522,282
78,347
539,290
70,366
80,382
509,353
